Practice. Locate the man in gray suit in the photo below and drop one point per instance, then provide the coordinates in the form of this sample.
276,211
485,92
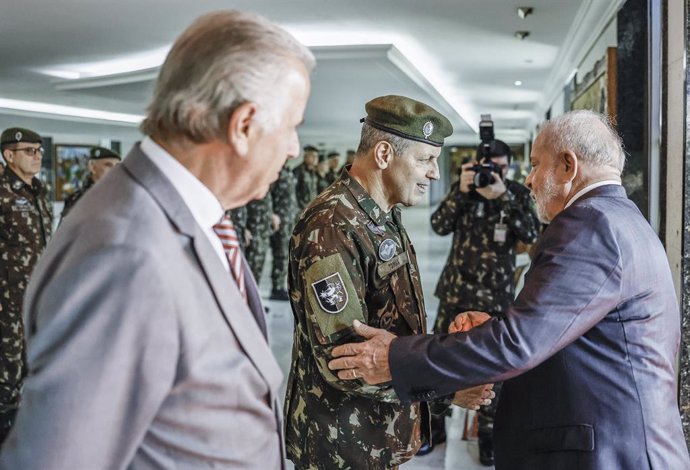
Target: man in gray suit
587,349
144,350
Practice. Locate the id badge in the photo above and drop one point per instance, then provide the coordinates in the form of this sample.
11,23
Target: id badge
500,231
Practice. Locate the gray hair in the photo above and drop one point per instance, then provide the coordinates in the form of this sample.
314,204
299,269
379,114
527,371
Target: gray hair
224,59
589,135
371,136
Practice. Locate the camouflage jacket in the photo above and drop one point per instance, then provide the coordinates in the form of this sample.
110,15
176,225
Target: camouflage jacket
26,219
478,274
349,260
259,214
307,186
322,183
72,199
238,216
284,197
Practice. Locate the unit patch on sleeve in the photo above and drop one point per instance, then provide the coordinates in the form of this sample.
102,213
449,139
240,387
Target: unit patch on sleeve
331,293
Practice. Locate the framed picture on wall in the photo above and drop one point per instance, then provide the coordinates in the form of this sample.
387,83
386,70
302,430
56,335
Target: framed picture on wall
597,90
70,168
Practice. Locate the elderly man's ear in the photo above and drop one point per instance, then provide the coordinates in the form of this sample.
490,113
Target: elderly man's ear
567,167
241,126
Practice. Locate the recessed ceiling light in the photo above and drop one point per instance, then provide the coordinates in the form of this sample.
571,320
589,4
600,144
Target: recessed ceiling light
524,12
518,83
71,111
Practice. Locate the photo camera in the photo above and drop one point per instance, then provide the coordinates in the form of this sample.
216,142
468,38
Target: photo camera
483,170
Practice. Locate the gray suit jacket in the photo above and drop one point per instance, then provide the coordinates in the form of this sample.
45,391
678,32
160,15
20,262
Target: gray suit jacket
587,350
142,353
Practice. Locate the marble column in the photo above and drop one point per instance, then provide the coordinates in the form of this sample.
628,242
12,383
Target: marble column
631,96
684,366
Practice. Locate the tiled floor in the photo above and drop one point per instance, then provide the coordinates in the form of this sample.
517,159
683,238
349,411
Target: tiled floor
432,251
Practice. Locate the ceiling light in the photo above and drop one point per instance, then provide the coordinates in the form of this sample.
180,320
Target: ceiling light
524,12
59,110
518,83
521,34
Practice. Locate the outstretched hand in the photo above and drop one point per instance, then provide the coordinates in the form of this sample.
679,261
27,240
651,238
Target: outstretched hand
465,321
367,360
473,398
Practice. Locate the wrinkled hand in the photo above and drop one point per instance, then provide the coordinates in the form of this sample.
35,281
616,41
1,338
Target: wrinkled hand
367,360
465,321
495,190
473,398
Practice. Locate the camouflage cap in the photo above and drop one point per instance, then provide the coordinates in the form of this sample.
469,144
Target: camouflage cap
408,118
14,135
97,153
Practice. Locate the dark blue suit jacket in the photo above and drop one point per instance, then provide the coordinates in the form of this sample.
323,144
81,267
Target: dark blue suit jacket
587,350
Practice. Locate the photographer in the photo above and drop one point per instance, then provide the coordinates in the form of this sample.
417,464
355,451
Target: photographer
488,215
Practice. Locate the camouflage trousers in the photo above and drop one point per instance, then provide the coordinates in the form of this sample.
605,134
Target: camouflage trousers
485,416
280,241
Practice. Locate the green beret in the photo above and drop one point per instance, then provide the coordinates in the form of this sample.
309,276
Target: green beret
96,153
14,135
408,118
333,155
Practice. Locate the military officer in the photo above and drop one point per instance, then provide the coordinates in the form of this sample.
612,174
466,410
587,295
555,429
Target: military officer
25,226
284,201
333,165
101,161
260,224
487,224
351,259
322,170
306,177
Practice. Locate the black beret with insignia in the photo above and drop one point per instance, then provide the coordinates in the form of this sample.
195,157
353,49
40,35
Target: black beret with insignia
96,153
310,148
15,135
408,118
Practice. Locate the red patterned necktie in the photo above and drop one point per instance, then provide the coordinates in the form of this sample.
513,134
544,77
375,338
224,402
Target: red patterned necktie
231,244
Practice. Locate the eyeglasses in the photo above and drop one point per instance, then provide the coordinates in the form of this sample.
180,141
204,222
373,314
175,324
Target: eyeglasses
30,151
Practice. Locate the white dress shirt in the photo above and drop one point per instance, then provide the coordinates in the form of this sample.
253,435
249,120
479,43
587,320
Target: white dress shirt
587,189
202,203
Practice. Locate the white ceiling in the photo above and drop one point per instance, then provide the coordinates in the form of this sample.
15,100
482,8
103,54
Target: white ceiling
461,56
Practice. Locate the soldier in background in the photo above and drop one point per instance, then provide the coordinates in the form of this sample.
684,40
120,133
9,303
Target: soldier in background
305,175
284,201
101,161
260,225
351,259
322,169
26,218
349,157
487,224
333,167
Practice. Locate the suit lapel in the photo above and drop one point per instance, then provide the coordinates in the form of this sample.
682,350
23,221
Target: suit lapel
236,312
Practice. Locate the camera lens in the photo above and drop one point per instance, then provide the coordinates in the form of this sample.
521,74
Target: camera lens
483,178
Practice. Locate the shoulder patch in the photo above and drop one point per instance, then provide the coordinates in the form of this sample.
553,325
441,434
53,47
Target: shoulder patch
331,293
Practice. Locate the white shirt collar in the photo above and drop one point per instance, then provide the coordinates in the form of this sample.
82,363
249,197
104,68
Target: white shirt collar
202,203
587,189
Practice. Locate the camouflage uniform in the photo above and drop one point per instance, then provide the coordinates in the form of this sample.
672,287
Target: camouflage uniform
322,183
479,272
307,186
259,225
349,260
238,216
284,201
26,219
72,199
